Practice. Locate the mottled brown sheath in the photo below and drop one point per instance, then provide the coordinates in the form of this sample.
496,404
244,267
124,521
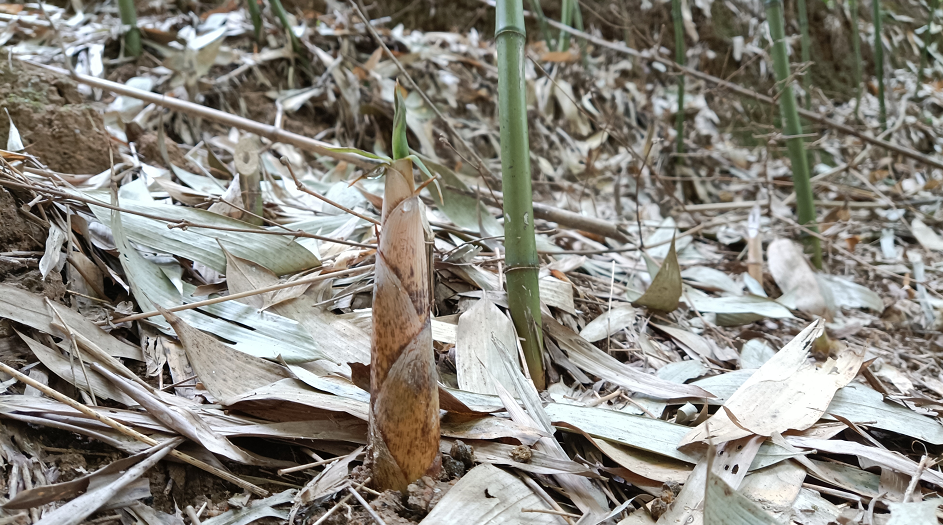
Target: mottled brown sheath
404,399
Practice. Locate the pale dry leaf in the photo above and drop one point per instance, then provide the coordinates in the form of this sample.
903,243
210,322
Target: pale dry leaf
487,495
223,371
926,236
795,277
594,361
53,254
787,392
610,322
75,511
723,505
914,512
476,353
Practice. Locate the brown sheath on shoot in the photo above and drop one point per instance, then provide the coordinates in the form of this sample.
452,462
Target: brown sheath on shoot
404,399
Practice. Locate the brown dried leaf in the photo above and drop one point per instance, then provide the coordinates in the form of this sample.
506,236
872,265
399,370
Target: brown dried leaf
665,291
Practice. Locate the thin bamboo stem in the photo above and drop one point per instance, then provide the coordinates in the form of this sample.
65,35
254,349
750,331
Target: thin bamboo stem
542,22
805,50
749,93
129,18
856,46
520,244
680,56
793,127
566,13
578,24
282,16
925,52
879,62
256,15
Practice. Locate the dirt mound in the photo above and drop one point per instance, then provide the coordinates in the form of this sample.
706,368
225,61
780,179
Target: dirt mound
55,124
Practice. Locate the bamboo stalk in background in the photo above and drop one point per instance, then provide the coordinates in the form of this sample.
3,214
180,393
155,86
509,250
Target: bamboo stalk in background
542,22
520,245
680,55
578,24
129,18
282,16
856,46
925,52
879,62
256,15
805,50
793,128
566,13
404,395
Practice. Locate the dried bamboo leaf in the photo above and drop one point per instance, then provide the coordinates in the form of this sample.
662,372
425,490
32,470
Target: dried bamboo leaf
725,506
665,291
476,354
795,277
223,371
72,372
30,309
77,510
610,322
334,478
785,393
487,495
594,361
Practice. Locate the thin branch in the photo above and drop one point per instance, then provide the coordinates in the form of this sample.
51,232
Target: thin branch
263,130
182,224
248,293
128,431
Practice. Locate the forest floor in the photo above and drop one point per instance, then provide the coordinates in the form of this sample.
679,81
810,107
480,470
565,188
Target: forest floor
699,367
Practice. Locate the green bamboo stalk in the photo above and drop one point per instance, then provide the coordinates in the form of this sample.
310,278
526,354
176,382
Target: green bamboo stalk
578,25
282,16
680,58
856,46
129,18
793,128
925,53
879,62
256,15
542,22
805,50
566,14
520,244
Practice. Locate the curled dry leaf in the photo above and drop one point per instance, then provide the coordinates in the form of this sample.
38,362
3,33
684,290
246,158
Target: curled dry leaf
665,291
795,277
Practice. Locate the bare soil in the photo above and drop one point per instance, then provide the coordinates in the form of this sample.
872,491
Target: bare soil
53,120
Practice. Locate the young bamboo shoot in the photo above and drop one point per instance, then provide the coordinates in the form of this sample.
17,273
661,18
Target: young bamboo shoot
404,395
792,127
520,244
